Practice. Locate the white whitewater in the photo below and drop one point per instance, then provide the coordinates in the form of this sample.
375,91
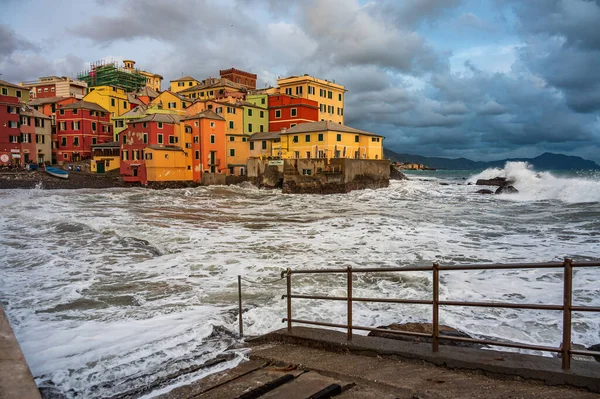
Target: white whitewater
109,291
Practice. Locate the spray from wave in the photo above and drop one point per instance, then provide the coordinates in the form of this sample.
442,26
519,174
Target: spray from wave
539,186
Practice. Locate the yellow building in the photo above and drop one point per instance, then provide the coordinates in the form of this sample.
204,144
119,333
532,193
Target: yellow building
153,80
215,88
186,82
265,145
238,150
330,140
169,101
329,95
13,90
167,163
111,98
106,157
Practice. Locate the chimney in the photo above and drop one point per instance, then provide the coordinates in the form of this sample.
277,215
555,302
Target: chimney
283,130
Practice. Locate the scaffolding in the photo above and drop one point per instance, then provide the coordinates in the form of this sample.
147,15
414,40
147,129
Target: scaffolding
102,73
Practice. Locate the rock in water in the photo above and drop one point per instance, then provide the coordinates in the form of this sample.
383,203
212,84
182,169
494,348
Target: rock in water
506,190
595,348
426,328
485,191
395,174
496,181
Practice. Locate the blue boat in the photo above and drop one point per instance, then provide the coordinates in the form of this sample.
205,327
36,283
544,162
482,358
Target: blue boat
62,174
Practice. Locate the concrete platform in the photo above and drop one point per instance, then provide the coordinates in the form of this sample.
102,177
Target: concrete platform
16,381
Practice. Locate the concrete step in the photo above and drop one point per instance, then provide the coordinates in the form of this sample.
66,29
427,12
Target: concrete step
304,386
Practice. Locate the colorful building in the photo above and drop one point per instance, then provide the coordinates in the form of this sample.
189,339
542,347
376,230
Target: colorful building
328,139
79,126
55,86
106,157
264,145
286,111
120,122
10,135
153,80
103,73
256,114
215,89
150,146
42,127
169,102
111,98
13,90
247,79
328,95
205,138
238,151
183,83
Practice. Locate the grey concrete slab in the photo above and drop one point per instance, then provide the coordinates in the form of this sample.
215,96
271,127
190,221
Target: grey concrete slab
16,381
582,374
303,386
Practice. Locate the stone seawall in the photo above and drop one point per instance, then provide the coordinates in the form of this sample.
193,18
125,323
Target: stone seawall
16,380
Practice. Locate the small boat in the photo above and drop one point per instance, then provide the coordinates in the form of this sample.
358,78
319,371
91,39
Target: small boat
62,174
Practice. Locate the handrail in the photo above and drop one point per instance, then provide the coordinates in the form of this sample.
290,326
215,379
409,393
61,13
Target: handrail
566,307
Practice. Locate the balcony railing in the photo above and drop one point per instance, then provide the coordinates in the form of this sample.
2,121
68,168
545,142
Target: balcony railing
567,307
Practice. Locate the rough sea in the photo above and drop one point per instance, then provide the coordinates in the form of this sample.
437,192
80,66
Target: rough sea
127,290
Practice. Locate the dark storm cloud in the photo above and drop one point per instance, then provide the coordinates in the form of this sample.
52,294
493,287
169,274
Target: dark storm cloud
11,42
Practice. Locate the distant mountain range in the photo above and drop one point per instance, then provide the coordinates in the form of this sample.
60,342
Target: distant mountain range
546,161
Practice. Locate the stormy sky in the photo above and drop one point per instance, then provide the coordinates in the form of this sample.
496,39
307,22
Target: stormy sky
480,79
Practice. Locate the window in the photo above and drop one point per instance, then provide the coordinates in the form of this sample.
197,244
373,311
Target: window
251,145
160,139
75,125
75,141
307,138
311,90
18,93
295,139
294,112
65,156
339,137
145,137
231,138
288,91
180,84
212,124
321,93
196,154
75,112
243,139
278,113
262,100
329,94
196,139
94,126
62,111
149,155
112,102
356,139
63,142
232,152
307,172
261,128
45,90
173,139
196,123
172,105
375,139
124,139
94,140
264,144
13,124
190,83
249,112
124,104
297,154
298,90
212,138
219,110
249,127
320,137
340,97
160,125
4,91
52,90
262,114
231,124
125,155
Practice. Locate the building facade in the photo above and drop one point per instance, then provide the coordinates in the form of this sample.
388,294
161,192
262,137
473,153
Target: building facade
55,86
10,134
247,79
153,80
42,126
287,111
183,83
13,90
79,126
329,96
205,133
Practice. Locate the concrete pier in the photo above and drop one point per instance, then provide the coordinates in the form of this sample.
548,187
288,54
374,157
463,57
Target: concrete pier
310,362
16,381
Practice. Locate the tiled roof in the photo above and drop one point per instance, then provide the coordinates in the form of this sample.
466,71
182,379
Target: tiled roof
264,136
112,144
165,118
166,147
208,114
47,100
147,91
85,105
184,78
323,126
14,86
136,112
34,112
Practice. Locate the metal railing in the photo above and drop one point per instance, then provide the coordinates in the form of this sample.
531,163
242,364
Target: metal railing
567,307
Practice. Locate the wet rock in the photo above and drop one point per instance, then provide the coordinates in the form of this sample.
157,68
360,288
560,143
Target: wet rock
485,191
507,190
595,348
426,328
395,174
444,184
496,181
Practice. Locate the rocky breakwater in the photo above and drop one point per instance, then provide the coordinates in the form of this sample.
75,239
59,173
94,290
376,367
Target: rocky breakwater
41,180
504,186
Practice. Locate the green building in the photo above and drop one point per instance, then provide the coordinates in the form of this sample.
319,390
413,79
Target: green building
256,113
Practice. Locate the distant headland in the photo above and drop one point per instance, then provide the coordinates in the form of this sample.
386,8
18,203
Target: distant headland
546,161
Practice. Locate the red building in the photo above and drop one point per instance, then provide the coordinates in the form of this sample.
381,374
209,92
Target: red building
79,126
48,107
55,86
244,78
161,130
208,143
286,111
10,134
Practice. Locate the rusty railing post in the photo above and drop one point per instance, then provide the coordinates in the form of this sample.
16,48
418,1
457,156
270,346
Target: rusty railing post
568,299
289,299
436,307
349,303
240,305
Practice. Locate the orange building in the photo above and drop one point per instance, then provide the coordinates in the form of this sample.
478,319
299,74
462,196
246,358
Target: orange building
205,134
